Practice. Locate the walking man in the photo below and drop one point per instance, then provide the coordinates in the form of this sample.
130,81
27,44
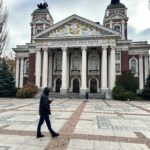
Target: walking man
44,112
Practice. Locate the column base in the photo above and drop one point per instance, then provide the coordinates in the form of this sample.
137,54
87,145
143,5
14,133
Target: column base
104,91
63,91
109,94
83,91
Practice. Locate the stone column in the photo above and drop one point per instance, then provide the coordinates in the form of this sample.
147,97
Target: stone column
111,24
84,71
45,68
64,71
50,70
109,70
21,72
104,70
38,69
17,72
123,30
112,71
141,81
146,64
68,69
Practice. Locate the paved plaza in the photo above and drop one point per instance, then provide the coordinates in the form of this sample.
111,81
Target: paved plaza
93,125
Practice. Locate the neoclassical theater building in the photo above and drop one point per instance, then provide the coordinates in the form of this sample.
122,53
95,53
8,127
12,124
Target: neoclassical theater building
78,55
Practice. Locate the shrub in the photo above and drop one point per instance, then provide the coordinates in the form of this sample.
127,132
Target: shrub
126,87
119,93
116,93
127,95
28,91
20,93
127,81
7,81
146,91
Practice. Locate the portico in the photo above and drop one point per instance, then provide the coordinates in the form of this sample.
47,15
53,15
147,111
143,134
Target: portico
101,72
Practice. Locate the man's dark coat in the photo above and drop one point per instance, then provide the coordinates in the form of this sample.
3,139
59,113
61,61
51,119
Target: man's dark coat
44,107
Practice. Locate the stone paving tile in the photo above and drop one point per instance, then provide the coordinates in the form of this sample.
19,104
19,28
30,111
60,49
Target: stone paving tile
95,125
128,146
81,144
106,146
146,134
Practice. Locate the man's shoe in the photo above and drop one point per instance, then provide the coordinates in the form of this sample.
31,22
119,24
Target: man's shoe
55,134
40,136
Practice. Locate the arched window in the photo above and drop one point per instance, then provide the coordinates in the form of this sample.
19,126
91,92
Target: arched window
133,66
26,67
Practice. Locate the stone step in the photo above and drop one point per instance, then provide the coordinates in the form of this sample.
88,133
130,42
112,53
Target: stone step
72,95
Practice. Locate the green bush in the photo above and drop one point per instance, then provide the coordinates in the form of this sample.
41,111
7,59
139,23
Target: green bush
7,81
127,95
126,87
116,93
128,81
21,93
119,93
28,91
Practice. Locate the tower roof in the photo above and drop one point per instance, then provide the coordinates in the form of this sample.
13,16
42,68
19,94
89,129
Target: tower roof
116,4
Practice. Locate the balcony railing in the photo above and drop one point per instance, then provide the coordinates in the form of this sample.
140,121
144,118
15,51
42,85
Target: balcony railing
93,72
75,72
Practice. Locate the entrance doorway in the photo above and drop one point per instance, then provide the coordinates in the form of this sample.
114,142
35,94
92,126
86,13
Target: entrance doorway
93,86
75,86
58,85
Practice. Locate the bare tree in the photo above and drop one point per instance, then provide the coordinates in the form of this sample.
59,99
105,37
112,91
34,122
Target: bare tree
3,24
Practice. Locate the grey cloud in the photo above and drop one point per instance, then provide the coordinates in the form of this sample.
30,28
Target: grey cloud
140,36
146,32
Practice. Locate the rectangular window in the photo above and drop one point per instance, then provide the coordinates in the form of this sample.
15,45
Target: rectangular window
117,55
118,69
118,62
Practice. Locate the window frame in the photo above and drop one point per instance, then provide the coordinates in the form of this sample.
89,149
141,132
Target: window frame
25,73
118,62
130,65
115,25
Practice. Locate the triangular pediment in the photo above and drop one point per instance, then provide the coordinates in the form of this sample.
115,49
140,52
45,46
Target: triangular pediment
75,26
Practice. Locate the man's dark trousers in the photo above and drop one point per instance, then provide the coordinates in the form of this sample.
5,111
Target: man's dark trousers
48,123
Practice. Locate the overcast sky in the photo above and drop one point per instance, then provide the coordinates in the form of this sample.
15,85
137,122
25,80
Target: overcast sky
20,16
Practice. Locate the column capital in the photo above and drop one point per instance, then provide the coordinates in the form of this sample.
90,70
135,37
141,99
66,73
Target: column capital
113,47
123,21
64,48
45,49
84,48
104,47
141,55
147,56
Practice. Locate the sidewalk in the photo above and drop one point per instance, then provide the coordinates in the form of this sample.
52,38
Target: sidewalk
93,125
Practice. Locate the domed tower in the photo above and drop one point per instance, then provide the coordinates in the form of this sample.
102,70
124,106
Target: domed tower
116,18
41,19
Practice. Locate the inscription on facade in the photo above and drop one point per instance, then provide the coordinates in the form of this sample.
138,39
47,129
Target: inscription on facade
79,43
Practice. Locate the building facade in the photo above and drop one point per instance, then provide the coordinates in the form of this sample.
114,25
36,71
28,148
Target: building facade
78,55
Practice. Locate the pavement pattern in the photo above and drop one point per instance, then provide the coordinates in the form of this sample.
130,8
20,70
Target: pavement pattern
93,125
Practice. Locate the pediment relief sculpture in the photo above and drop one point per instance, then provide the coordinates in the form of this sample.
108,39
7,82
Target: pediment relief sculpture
75,29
